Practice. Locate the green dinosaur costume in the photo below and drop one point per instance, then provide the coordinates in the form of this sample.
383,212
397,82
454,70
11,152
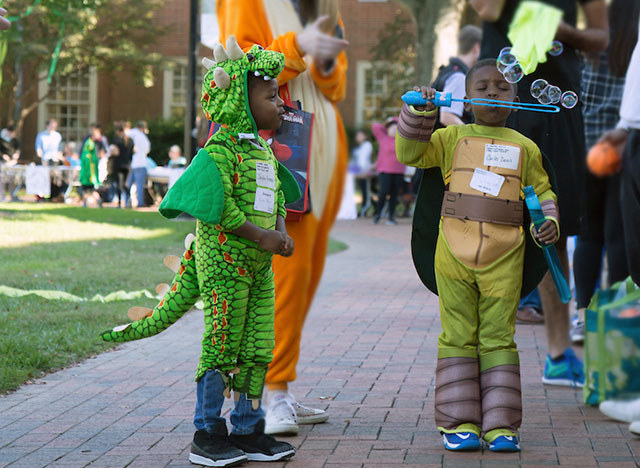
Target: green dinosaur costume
89,164
234,179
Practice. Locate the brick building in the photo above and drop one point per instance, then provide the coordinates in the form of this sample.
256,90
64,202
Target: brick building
103,98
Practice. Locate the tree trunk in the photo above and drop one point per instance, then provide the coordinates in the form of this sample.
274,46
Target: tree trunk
427,17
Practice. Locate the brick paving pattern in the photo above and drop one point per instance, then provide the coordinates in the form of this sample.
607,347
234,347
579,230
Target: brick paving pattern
369,351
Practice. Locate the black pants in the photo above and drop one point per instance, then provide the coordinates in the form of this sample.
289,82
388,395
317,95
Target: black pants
389,186
601,228
119,184
630,202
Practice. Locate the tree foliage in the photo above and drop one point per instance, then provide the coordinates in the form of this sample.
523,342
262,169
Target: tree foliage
107,35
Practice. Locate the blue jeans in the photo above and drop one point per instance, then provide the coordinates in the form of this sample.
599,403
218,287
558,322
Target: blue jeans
139,175
209,406
531,300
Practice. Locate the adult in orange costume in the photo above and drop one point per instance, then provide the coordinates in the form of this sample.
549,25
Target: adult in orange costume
309,34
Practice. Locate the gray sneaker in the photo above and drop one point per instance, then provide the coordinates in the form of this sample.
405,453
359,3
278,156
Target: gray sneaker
577,331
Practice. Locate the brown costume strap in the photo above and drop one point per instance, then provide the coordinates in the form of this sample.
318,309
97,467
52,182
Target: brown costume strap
501,398
484,209
457,392
415,127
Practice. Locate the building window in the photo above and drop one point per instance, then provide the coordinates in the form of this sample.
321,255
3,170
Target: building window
175,89
72,103
376,92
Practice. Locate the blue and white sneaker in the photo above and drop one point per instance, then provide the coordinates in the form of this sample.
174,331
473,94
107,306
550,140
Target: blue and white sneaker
461,441
505,444
567,370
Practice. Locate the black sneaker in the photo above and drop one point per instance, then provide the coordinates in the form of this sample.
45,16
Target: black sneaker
215,449
262,447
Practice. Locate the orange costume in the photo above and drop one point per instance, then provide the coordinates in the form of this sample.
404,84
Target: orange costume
274,25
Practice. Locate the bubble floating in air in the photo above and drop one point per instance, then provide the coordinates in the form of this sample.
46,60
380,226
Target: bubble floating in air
537,87
556,48
513,73
544,96
506,57
569,99
554,93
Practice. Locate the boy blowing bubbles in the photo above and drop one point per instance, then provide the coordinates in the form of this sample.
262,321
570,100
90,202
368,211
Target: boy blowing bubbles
479,256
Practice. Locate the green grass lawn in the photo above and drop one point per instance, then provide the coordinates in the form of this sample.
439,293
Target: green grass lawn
84,252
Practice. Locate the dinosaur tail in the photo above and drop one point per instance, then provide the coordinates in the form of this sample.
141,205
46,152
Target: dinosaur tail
177,299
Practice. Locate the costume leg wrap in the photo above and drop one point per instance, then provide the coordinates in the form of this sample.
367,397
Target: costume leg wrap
256,347
457,393
501,398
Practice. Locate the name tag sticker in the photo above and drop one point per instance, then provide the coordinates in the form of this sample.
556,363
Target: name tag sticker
487,182
265,175
501,156
265,199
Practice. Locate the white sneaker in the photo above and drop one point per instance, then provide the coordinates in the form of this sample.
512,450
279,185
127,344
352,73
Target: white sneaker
308,415
625,411
634,428
280,415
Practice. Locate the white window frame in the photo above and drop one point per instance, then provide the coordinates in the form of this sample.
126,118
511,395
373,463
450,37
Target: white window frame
362,67
43,90
167,86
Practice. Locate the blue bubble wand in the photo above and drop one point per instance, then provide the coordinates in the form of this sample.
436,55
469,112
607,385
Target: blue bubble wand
549,251
414,98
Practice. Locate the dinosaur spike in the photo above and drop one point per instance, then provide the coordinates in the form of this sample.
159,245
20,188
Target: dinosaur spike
120,328
162,289
235,370
256,73
220,54
236,396
138,313
233,49
227,392
266,77
199,305
255,404
172,263
208,63
188,240
221,78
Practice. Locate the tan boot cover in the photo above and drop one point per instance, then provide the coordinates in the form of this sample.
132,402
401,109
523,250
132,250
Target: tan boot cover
457,392
501,398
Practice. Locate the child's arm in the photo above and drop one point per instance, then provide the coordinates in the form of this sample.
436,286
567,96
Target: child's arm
378,130
273,241
416,144
537,177
287,247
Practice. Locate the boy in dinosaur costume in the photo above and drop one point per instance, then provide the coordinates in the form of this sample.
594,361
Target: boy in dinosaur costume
479,257
236,190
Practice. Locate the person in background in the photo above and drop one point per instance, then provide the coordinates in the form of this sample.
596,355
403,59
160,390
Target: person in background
5,24
48,143
71,157
361,160
602,86
9,157
390,171
561,138
141,148
122,164
176,159
93,150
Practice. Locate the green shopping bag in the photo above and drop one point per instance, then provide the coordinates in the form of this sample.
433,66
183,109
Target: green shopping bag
612,344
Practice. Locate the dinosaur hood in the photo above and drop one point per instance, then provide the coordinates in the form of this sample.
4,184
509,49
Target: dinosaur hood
225,97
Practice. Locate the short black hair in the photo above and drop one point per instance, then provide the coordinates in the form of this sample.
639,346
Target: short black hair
488,62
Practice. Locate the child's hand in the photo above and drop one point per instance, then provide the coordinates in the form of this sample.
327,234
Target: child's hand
287,248
548,233
273,241
427,93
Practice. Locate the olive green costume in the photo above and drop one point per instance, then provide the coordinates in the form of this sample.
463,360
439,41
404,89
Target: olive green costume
478,264
234,179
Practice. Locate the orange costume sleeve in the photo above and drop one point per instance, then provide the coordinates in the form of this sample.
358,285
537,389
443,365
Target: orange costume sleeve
253,28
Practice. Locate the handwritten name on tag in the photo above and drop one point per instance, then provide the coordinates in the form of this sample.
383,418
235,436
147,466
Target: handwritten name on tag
487,182
265,199
501,156
265,175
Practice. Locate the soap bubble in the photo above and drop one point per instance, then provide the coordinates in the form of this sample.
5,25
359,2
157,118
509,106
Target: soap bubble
501,66
544,96
537,87
554,93
569,99
556,48
513,73
506,57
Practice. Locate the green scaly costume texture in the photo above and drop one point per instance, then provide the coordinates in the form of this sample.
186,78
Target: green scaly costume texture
232,275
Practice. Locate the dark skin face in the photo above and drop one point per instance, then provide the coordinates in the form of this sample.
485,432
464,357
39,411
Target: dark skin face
267,108
488,83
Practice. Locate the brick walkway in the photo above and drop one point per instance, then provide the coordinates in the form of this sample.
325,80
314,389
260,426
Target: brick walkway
368,357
